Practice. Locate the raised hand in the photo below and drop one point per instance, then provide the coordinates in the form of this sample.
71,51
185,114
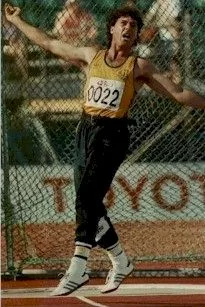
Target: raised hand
11,12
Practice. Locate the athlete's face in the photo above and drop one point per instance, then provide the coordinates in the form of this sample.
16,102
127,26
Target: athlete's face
125,31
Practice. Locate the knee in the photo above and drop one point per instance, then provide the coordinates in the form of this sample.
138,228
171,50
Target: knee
106,234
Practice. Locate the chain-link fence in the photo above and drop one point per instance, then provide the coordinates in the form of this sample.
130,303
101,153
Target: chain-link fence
157,198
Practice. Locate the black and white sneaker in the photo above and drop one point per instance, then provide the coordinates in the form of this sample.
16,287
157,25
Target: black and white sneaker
116,276
69,283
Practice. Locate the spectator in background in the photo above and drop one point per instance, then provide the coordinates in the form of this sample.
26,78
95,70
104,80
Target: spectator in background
130,3
15,64
74,25
14,47
25,130
164,15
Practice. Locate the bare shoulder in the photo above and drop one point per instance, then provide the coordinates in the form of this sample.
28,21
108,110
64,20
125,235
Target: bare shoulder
91,52
145,66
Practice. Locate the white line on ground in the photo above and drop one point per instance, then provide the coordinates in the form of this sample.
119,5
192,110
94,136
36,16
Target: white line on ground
92,303
124,290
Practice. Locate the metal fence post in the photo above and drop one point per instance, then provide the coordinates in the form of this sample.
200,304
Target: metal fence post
6,201
187,49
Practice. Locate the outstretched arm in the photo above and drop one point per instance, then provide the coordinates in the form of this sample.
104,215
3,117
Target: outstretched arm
162,85
79,56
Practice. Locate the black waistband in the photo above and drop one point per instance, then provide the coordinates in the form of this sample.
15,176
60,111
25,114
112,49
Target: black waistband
103,120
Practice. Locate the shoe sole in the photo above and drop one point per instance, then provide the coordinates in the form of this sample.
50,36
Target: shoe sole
67,293
111,290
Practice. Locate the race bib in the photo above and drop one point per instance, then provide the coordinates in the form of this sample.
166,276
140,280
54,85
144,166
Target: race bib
104,94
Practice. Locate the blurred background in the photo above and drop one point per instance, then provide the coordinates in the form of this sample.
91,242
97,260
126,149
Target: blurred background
49,91
42,100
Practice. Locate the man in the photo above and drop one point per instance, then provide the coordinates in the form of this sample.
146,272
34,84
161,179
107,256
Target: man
74,25
165,16
113,76
14,47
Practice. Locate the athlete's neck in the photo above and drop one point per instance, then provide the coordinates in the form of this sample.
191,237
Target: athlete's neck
116,53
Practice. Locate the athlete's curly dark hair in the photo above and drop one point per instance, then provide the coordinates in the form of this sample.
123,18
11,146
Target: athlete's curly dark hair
123,12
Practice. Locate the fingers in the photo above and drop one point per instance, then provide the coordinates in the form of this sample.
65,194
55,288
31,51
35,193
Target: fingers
11,10
9,7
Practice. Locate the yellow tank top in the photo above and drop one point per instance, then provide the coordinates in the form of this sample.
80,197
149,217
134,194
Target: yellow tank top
109,91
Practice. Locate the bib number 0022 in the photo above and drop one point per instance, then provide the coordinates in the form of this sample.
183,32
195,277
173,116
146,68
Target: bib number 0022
104,96
104,93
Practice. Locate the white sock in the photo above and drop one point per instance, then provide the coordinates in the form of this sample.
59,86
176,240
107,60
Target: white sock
79,261
117,255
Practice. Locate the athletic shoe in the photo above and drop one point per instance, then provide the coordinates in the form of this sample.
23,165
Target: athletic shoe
69,284
116,276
